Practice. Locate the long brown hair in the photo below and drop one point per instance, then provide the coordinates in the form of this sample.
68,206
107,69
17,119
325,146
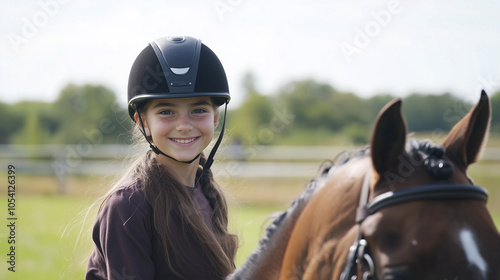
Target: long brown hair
170,199
172,203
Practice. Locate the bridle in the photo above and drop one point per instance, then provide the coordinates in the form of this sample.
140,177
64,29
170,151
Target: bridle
445,191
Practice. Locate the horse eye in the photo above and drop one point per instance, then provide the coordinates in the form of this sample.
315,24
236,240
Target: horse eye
390,241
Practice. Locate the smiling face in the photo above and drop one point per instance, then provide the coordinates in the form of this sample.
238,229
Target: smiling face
180,127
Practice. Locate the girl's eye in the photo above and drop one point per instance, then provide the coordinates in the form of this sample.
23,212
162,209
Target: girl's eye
199,111
166,112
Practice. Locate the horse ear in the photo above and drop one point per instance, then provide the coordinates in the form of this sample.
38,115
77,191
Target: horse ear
466,138
389,137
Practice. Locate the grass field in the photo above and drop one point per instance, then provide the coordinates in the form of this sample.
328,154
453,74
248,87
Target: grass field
53,236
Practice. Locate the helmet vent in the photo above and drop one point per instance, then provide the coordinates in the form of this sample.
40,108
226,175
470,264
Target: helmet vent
177,39
180,71
181,84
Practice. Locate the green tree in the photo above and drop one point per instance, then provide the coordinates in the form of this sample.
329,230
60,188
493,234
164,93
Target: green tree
254,114
429,112
375,104
319,109
90,113
11,122
33,130
311,103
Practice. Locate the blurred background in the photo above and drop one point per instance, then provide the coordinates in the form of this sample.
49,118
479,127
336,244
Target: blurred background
307,79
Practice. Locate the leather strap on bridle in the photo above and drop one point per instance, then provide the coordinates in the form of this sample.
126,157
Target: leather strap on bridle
361,214
362,210
427,192
421,192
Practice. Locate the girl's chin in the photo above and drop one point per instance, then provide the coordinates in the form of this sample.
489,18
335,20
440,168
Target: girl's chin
184,157
187,159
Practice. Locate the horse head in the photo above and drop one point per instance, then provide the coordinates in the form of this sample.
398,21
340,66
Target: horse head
431,222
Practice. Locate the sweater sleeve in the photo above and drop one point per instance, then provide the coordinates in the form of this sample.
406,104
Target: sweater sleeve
123,239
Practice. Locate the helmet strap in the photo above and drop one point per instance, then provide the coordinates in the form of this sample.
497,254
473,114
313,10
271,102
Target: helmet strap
155,149
210,158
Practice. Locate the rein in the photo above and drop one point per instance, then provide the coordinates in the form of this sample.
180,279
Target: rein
366,208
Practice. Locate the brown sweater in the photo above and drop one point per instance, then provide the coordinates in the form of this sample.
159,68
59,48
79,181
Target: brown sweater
127,246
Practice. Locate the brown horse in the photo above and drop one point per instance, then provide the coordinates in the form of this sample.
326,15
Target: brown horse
396,210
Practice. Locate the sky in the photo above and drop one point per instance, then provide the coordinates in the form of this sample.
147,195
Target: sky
365,47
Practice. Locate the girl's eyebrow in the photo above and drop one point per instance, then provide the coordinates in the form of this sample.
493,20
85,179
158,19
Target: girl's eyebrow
166,104
201,103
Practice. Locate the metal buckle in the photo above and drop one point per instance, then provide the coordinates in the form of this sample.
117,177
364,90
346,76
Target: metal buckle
365,257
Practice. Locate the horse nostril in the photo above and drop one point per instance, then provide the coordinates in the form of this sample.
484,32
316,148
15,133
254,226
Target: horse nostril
390,241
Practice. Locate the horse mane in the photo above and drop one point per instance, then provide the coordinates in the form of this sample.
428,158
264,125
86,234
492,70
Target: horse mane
326,168
278,217
426,151
431,156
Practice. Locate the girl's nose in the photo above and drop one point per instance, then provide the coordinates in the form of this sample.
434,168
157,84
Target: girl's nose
184,124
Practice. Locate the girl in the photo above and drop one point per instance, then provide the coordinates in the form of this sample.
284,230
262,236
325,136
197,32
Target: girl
167,218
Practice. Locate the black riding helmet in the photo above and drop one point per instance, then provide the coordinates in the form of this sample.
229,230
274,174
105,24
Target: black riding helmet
176,67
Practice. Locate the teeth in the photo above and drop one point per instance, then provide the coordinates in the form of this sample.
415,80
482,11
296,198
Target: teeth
184,141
